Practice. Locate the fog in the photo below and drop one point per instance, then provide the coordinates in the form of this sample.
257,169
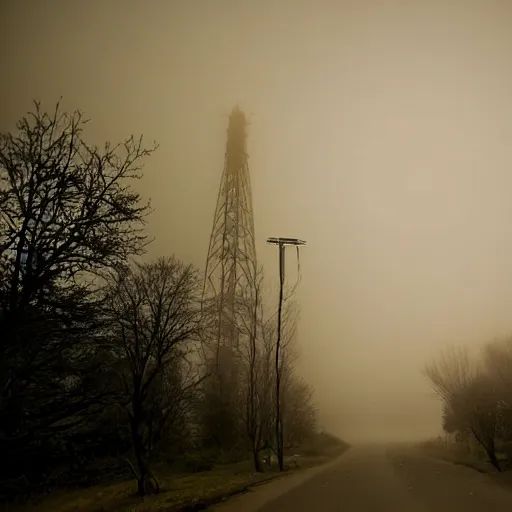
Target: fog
380,134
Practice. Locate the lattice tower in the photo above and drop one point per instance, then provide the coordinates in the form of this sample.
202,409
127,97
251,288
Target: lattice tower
231,261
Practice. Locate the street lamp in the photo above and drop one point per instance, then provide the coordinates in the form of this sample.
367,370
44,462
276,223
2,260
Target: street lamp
282,243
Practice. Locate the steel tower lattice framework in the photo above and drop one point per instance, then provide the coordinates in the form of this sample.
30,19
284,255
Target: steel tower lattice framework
231,260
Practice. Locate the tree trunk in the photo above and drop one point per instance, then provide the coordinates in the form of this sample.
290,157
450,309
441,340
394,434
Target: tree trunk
492,454
257,462
280,445
494,460
141,488
146,482
489,450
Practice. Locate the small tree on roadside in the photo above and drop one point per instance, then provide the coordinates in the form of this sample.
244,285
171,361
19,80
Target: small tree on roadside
470,402
498,363
299,412
252,353
484,420
266,388
155,312
281,354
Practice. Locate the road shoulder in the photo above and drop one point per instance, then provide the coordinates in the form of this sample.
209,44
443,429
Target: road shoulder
259,495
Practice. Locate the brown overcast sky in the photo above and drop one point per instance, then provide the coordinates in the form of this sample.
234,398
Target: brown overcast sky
380,133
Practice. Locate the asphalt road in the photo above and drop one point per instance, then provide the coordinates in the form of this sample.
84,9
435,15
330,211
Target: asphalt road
381,479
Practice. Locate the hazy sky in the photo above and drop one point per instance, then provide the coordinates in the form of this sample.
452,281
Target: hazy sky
380,133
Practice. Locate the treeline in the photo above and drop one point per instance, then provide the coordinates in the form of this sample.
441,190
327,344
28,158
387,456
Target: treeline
476,396
107,364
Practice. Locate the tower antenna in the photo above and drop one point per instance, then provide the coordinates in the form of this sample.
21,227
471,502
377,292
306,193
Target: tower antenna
231,261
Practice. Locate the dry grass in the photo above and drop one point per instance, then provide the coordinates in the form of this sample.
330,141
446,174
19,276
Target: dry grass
458,454
456,457
184,492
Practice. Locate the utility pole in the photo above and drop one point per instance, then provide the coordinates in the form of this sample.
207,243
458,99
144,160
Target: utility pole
279,431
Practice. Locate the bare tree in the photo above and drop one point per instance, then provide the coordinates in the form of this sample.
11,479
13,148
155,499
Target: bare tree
252,351
283,371
219,408
66,208
298,410
299,414
266,389
497,358
282,353
484,421
66,213
498,363
170,405
156,314
470,401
